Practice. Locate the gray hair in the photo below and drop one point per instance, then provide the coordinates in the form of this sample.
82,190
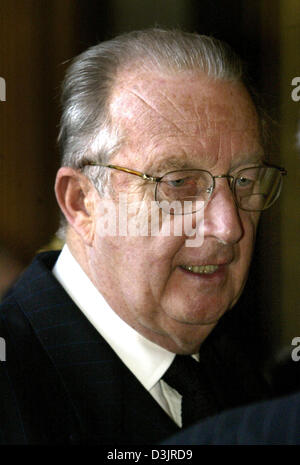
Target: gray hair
87,130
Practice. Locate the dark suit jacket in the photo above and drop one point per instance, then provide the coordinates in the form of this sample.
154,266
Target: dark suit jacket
275,422
61,382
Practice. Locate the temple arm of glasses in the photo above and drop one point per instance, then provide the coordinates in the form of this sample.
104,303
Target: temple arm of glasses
282,170
146,177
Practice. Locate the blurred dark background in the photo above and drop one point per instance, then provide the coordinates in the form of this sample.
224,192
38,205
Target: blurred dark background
38,37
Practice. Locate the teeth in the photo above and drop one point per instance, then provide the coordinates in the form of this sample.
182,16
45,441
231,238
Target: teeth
205,269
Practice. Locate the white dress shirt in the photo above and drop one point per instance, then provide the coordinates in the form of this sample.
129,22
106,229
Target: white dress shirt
146,360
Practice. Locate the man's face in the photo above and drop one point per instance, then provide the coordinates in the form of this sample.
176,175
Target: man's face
174,122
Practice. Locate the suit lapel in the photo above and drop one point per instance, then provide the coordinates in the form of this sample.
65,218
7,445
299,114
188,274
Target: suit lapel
112,405
146,421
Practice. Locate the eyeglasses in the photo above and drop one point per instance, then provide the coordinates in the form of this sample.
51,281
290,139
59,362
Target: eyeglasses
254,189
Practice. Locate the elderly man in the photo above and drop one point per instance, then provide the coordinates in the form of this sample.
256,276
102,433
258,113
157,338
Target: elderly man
156,125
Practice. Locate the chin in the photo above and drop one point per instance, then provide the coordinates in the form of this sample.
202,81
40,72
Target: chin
206,314
189,341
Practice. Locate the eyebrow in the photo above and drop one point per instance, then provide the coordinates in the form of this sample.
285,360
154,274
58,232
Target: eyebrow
176,163
254,159
170,164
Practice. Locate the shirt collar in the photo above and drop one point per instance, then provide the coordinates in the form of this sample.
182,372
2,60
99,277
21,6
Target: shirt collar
146,360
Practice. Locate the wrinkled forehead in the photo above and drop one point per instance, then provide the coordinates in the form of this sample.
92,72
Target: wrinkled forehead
191,102
186,116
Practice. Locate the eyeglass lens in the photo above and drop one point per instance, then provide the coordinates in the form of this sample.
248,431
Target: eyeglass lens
255,189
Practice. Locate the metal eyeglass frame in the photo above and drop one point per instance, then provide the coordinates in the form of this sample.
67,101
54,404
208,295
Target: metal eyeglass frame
157,179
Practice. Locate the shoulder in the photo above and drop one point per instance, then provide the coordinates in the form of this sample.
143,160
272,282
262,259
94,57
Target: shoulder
28,409
33,280
265,423
40,268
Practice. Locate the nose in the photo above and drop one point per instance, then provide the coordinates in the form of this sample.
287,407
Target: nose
221,215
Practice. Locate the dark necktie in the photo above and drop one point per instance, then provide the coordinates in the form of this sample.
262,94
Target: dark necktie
188,377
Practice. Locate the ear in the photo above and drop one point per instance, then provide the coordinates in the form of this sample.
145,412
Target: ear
76,196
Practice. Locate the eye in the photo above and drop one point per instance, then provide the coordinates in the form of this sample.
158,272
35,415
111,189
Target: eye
177,182
244,182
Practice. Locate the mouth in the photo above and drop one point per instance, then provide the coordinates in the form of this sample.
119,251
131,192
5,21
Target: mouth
200,269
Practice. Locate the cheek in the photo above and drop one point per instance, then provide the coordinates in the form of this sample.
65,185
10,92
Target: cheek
139,262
